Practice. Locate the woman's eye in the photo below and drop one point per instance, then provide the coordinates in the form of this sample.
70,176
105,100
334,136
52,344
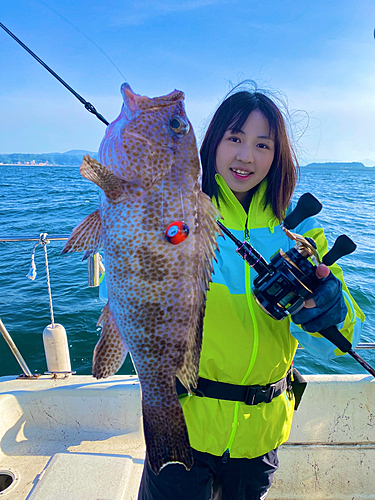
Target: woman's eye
263,146
234,139
179,125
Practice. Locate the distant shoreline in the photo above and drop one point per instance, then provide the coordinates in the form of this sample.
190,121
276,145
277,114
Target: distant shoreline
74,159
68,159
37,165
335,164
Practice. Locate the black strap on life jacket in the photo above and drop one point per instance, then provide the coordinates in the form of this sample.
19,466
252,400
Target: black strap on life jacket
248,394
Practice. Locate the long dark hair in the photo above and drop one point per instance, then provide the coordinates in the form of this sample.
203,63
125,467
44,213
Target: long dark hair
232,114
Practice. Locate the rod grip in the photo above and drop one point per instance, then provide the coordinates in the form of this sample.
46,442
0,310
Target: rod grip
333,335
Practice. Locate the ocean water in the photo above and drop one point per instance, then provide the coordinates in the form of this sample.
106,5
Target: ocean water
55,199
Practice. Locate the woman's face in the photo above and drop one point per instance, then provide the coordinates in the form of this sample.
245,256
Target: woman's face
244,158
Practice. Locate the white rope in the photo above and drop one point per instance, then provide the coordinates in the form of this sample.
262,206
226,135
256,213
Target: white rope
33,274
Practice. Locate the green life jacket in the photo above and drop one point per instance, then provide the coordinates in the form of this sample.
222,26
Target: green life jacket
242,345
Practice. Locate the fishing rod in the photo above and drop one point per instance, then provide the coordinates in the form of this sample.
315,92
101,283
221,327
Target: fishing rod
289,279
86,104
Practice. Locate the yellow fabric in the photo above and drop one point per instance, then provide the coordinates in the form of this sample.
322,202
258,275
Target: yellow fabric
242,344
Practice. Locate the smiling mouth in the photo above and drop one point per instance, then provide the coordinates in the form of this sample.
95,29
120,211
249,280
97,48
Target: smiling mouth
241,174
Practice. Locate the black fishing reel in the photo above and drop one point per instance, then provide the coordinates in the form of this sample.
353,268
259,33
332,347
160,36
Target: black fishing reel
283,285
289,279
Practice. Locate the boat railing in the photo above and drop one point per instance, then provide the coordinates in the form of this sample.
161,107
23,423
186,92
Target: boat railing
54,336
95,267
360,345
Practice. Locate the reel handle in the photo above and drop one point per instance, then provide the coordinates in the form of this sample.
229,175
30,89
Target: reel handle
343,246
333,335
307,206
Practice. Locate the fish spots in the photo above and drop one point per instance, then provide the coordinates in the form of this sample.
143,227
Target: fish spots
153,214
153,266
156,292
149,315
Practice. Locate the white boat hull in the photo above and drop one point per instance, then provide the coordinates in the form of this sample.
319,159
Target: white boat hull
81,439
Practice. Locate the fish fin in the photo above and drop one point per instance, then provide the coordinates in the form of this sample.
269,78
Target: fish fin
86,236
110,352
100,175
208,215
206,246
167,439
188,371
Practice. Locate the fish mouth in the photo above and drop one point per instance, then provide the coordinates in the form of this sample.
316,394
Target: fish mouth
241,174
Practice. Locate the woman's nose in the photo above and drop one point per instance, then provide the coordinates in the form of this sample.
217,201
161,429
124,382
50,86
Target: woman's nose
245,154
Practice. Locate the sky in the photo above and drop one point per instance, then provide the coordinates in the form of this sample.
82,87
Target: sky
317,55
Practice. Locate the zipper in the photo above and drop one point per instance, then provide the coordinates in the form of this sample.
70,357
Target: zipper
254,351
231,198
247,232
225,456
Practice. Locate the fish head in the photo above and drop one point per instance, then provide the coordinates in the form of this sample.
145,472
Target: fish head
140,146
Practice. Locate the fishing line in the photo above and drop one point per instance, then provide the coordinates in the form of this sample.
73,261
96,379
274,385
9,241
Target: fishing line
162,204
182,206
87,104
88,38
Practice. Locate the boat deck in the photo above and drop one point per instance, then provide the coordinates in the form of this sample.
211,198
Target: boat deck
78,438
75,438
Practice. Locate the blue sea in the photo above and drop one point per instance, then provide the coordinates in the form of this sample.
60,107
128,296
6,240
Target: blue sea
54,200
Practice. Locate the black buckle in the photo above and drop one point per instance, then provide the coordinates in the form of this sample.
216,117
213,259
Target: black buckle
250,395
258,395
271,389
198,392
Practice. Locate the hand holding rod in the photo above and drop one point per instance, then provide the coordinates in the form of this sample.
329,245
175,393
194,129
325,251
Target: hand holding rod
269,273
308,206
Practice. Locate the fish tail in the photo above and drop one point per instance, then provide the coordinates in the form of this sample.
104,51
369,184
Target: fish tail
166,438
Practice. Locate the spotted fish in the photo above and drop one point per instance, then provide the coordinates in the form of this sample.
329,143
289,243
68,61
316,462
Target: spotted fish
149,175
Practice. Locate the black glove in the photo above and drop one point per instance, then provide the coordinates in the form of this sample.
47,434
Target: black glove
330,307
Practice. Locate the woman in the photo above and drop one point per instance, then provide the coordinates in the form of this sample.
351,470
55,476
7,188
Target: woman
250,171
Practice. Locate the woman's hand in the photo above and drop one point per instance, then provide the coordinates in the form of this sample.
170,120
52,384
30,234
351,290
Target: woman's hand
326,308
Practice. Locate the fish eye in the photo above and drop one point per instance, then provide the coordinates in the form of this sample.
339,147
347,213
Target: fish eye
179,125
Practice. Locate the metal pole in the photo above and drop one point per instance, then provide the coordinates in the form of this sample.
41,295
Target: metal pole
363,345
93,264
15,351
366,345
52,237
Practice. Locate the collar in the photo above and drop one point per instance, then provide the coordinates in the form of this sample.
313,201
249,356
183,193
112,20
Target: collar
233,212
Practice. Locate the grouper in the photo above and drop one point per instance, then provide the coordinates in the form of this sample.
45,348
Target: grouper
158,232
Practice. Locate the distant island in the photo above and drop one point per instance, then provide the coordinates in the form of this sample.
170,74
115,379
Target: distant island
74,158
333,164
68,159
